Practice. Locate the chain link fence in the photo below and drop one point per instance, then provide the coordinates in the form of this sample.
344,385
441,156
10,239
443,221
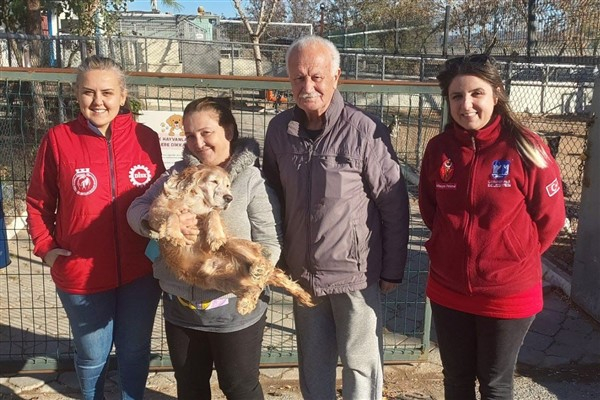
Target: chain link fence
34,332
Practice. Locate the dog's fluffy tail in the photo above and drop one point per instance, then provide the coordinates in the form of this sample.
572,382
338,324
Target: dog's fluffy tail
281,279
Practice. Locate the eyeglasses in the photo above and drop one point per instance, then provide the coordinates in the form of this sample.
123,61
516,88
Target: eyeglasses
477,59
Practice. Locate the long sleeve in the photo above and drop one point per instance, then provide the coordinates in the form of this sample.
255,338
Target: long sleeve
545,202
264,214
427,201
137,213
42,200
388,190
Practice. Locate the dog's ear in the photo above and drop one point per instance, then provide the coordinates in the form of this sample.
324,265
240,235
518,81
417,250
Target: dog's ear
188,179
201,176
170,186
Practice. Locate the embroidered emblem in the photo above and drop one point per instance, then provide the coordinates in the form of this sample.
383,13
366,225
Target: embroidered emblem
499,183
139,175
500,169
553,187
84,182
445,186
447,170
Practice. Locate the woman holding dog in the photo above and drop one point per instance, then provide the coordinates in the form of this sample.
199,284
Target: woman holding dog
203,328
491,194
87,173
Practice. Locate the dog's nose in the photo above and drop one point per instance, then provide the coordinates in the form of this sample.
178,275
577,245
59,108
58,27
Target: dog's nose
228,198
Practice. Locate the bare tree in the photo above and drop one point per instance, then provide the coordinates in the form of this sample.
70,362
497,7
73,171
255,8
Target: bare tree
479,22
263,19
574,22
304,11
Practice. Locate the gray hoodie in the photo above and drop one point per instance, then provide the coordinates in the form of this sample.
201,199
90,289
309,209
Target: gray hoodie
254,214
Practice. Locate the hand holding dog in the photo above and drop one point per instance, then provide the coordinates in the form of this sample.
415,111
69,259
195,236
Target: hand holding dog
189,226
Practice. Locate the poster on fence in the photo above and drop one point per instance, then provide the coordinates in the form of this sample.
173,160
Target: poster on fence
169,126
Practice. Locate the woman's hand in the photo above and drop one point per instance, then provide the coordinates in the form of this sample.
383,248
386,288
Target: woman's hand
53,254
189,226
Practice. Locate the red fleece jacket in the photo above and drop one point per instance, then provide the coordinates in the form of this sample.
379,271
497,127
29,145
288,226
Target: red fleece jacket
491,214
80,189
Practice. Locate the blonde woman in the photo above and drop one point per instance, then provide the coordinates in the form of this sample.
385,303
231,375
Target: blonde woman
86,174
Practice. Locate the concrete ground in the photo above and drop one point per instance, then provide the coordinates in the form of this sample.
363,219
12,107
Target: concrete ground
560,360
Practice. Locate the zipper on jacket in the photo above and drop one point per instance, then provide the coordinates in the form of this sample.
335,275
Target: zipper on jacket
311,149
113,192
470,201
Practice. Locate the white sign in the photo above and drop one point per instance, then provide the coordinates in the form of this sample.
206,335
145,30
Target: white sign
169,126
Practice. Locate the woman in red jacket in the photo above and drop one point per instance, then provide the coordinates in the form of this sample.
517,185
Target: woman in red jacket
86,174
490,192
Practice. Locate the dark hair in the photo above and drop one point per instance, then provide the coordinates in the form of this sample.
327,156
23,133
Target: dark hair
484,67
219,105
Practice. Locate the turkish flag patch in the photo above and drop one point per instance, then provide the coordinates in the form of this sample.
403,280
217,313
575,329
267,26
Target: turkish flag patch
553,187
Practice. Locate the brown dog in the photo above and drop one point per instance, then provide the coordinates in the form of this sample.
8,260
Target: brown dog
213,260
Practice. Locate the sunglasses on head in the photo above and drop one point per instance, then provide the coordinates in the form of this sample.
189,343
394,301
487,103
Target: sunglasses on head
478,59
222,101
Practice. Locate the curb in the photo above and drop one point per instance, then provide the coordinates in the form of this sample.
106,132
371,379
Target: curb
555,276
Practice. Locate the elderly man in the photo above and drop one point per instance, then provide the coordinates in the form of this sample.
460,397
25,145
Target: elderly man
346,223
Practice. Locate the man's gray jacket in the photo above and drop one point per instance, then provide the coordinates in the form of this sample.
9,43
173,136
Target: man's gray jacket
344,199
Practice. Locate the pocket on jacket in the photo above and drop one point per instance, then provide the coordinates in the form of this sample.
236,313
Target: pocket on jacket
501,258
445,249
67,267
355,247
339,171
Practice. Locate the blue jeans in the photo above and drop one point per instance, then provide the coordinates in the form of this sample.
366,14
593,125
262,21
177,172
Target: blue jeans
478,348
123,316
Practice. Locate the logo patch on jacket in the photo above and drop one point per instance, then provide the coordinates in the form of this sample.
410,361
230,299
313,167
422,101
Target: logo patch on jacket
84,182
500,169
446,170
553,187
500,172
139,175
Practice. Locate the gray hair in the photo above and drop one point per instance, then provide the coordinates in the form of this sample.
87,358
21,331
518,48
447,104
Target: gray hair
93,63
312,40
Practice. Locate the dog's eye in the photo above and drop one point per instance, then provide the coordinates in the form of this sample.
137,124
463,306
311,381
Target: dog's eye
216,182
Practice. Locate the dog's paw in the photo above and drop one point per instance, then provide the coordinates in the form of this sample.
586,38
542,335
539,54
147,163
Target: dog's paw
216,243
259,271
154,235
245,305
177,241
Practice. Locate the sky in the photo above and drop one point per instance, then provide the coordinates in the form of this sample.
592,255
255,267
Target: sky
190,7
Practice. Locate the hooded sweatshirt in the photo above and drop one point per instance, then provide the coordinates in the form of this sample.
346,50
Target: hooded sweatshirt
253,215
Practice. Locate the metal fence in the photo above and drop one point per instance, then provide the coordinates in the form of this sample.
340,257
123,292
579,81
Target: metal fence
178,55
34,332
558,31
